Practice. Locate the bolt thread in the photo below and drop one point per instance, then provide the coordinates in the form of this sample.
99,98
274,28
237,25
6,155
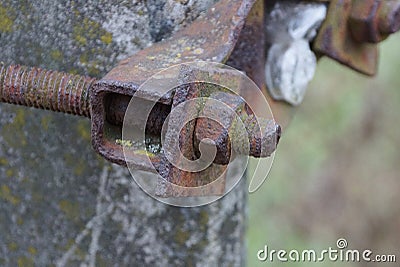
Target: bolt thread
51,90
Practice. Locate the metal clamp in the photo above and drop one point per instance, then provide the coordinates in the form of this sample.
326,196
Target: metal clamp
210,38
352,30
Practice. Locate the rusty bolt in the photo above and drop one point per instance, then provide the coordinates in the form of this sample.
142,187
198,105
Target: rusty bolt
353,28
35,87
67,93
262,135
373,20
62,92
389,17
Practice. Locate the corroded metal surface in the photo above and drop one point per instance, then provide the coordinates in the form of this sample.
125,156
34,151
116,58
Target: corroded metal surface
211,37
218,131
110,96
373,21
351,29
35,87
67,93
262,141
224,21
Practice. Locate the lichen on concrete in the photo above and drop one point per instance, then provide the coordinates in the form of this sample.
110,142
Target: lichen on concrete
61,203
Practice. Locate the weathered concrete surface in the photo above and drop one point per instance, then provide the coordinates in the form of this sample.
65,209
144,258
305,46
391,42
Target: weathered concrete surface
60,203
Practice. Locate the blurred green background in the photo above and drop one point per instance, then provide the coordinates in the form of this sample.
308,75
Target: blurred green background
336,173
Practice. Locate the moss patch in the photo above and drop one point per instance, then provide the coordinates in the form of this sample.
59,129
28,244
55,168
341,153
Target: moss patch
106,38
32,250
5,193
70,209
13,133
25,262
6,19
3,162
181,236
20,221
12,246
203,220
45,121
83,130
9,173
56,55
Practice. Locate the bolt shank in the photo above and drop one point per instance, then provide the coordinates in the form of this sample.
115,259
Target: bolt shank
51,90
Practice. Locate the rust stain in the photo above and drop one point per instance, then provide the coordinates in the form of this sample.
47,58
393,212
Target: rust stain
352,30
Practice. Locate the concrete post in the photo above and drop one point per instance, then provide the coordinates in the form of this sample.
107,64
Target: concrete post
60,203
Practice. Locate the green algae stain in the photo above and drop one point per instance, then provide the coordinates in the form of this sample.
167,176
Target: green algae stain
84,58
5,193
9,173
56,55
37,197
70,209
124,143
203,220
32,250
20,117
69,244
45,122
12,133
25,262
145,153
79,36
13,246
181,236
93,39
101,262
3,162
83,130
87,29
6,20
20,221
79,253
107,38
94,70
74,71
80,168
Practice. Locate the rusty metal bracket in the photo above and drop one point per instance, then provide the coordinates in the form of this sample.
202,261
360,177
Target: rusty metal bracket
352,30
230,32
211,37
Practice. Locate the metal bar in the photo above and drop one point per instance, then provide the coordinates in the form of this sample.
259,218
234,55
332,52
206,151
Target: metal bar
51,90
